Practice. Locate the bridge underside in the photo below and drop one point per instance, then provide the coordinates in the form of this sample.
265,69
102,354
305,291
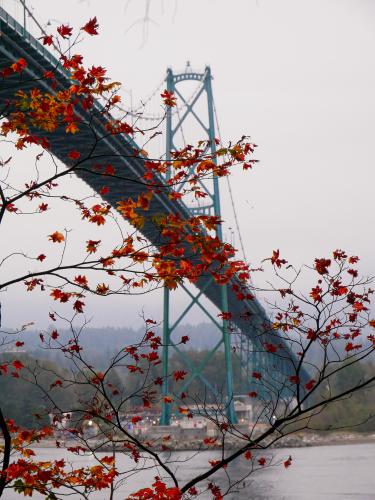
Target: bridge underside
118,151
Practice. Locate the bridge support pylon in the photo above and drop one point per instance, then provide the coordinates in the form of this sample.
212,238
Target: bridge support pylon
174,124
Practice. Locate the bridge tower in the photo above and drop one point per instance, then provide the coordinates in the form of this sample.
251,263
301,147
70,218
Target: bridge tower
206,124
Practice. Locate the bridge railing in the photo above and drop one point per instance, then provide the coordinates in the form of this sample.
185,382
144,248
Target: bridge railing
19,15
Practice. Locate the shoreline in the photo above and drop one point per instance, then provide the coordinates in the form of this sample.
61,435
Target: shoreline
298,440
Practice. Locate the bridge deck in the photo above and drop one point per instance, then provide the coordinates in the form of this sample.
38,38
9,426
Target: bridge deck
116,150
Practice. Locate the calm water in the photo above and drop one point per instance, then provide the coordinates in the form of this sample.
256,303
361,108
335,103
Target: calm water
317,473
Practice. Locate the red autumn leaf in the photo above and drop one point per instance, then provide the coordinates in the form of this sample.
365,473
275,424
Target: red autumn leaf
339,255
316,294
64,31
353,272
19,65
275,260
209,440
358,306
78,306
310,384
54,334
270,347
136,419
92,246
184,339
17,364
150,321
253,394
248,455
104,190
257,375
56,237
47,39
97,219
193,491
81,280
41,257
226,316
294,379
102,289
353,259
91,27
288,462
74,155
322,265
109,170
262,461
4,369
352,347
43,207
19,343
169,98
179,375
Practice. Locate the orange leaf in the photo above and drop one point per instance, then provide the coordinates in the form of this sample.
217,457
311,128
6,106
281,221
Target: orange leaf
56,237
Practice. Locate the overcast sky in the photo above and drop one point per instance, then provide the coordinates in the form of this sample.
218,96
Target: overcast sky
296,75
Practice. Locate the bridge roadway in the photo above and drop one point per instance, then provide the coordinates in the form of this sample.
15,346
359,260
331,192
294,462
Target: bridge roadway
15,43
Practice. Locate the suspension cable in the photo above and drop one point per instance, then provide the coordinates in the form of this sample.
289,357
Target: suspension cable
230,192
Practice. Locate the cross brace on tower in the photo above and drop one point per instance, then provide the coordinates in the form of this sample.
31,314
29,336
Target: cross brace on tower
211,187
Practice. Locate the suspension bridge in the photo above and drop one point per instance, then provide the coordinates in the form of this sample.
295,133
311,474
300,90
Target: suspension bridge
249,318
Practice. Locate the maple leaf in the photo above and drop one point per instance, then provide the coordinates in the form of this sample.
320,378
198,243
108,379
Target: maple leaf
104,190
315,294
92,246
19,65
270,347
17,364
262,461
54,334
43,207
56,237
294,379
310,384
78,306
253,394
288,462
351,347
91,27
184,339
98,219
102,289
81,280
47,39
248,455
41,257
64,31
209,440
322,265
226,316
353,259
179,375
4,369
169,98
275,260
136,419
74,155
71,128
353,272
19,343
257,375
